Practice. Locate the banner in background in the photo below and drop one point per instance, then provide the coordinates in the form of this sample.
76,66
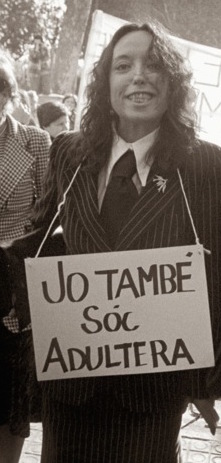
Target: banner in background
120,313
205,62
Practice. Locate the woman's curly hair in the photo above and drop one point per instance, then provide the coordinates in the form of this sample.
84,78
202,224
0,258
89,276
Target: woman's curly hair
177,134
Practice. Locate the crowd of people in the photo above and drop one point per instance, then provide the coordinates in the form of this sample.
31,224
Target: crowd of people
139,123
54,116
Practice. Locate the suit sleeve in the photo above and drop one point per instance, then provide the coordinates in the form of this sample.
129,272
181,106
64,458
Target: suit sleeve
43,212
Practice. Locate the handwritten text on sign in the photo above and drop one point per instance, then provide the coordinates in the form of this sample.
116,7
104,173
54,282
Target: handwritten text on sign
120,313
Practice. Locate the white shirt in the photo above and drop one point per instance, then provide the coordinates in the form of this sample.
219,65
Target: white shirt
141,148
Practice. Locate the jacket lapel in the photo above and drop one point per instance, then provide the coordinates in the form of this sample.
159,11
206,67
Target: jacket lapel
84,193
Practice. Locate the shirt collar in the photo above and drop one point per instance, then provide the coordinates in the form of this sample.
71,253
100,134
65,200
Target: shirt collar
140,147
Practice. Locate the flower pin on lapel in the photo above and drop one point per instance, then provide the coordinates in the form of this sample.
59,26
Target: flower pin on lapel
160,182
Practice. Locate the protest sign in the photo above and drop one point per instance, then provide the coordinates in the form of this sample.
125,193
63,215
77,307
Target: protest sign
119,313
204,61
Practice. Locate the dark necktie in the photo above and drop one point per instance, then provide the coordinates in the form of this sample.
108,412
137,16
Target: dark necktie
121,194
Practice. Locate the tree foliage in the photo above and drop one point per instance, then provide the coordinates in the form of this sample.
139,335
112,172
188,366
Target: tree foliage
21,19
50,16
17,21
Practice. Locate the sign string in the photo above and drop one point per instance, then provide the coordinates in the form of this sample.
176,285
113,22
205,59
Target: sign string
60,205
207,251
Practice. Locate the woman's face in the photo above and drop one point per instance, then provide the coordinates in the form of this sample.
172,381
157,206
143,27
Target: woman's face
138,88
70,103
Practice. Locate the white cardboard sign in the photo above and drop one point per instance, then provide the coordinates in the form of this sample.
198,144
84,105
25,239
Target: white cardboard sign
116,313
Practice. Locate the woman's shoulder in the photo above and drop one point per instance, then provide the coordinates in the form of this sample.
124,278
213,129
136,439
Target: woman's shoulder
205,159
207,147
64,151
31,132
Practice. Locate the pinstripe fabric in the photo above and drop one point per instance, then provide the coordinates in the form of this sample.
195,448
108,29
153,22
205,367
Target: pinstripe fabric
98,433
21,171
157,220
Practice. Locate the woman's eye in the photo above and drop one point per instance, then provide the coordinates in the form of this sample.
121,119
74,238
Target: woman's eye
153,67
122,66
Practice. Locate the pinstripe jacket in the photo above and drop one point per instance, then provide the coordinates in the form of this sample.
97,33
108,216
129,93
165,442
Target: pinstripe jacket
157,220
21,172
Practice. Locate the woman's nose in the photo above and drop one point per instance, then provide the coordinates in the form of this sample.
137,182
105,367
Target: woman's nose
138,79
139,76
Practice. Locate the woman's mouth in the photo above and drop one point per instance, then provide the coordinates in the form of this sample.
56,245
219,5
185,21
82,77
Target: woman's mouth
140,97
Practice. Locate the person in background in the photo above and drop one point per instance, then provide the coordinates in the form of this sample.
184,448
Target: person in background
39,67
33,98
53,117
24,155
70,100
137,149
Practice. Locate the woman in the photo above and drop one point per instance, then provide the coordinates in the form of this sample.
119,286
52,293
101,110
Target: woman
140,99
23,160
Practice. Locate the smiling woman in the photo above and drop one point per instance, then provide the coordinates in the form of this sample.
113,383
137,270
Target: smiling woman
166,85
138,87
121,180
